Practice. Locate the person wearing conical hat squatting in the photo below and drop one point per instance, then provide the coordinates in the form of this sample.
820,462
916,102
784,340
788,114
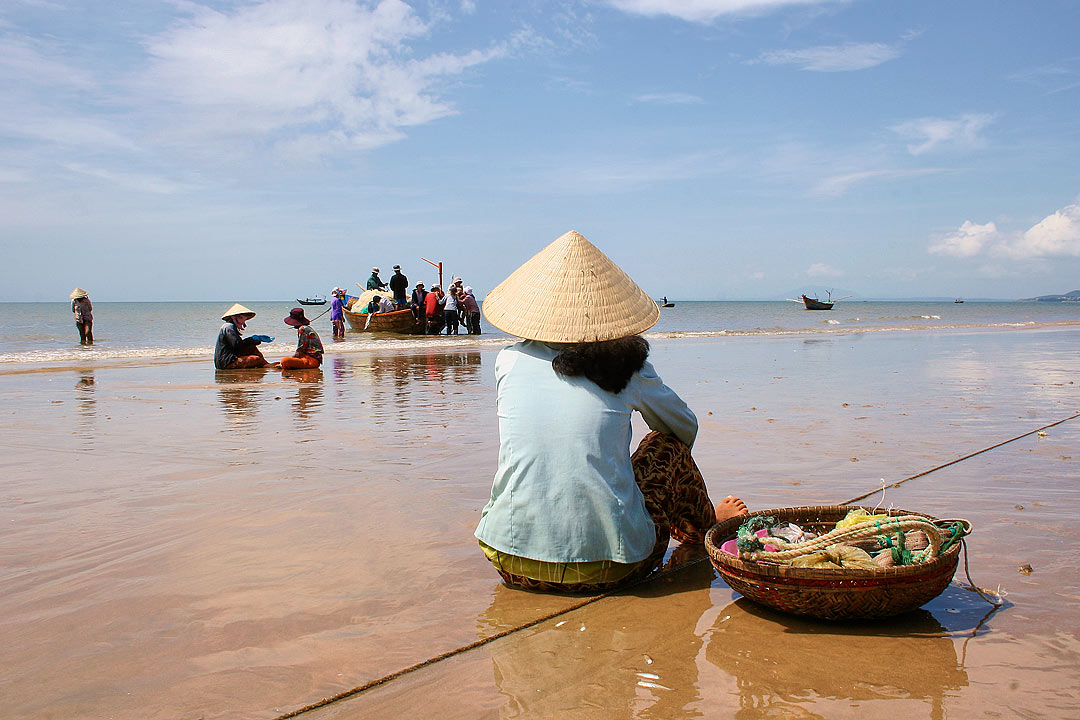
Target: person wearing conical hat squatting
571,510
309,349
84,315
233,351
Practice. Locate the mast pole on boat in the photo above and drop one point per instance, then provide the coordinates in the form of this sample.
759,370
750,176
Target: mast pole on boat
437,265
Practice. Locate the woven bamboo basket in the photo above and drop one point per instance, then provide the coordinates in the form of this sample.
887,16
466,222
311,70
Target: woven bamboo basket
830,594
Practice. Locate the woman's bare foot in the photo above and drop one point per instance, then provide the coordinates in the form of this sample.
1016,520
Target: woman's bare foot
730,507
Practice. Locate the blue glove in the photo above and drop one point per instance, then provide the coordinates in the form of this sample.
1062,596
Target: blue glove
262,338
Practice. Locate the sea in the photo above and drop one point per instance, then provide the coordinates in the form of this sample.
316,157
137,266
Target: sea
43,333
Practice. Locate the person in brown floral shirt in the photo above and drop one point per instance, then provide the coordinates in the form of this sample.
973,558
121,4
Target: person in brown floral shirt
309,349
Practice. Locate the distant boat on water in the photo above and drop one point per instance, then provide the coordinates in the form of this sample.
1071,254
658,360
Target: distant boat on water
958,300
312,301
665,303
817,304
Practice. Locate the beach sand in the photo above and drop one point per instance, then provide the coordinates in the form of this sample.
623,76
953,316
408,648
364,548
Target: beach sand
183,543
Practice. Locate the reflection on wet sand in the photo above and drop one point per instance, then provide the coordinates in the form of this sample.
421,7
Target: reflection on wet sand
86,404
542,676
239,394
421,382
785,665
309,395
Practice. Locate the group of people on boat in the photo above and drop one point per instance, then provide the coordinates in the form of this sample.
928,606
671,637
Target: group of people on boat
233,351
436,309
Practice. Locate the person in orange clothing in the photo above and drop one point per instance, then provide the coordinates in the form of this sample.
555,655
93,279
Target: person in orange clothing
309,349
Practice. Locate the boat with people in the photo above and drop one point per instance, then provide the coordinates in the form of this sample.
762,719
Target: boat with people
402,322
664,302
312,301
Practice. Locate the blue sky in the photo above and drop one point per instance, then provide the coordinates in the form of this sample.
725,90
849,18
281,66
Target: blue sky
715,149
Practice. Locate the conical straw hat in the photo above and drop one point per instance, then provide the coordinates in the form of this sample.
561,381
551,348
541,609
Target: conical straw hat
78,293
237,309
570,292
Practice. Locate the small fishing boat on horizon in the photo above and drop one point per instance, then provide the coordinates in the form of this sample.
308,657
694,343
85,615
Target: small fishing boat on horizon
312,301
816,303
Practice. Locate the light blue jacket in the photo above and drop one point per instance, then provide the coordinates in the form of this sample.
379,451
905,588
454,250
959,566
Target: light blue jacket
564,490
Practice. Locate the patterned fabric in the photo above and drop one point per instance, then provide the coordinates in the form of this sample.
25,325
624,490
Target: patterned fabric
309,342
678,503
84,311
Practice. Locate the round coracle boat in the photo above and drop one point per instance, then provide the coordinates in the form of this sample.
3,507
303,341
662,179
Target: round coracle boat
768,571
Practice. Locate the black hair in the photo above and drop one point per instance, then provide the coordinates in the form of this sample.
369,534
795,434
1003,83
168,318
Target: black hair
610,363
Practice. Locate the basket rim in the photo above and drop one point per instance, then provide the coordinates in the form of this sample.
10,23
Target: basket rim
726,530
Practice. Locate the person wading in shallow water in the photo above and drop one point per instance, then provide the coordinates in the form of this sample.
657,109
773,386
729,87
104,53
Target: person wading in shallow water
337,315
84,315
571,510
233,351
309,349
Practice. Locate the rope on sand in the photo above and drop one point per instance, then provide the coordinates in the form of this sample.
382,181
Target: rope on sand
983,592
481,642
898,483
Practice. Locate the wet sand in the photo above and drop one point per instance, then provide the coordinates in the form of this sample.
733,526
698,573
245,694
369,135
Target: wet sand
184,543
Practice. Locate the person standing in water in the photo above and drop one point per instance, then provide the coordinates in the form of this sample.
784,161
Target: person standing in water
84,315
571,510
309,349
337,315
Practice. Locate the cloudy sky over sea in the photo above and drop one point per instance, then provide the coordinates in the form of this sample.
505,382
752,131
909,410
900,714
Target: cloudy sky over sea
714,148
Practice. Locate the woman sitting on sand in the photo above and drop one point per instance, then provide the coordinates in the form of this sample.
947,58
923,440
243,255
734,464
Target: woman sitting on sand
233,351
571,510
309,349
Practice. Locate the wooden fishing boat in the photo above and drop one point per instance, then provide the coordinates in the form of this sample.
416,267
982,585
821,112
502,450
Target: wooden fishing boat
400,321
312,301
815,304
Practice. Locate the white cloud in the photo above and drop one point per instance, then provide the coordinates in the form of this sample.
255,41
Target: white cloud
837,185
928,133
823,270
1057,77
968,241
1056,235
322,75
596,175
129,180
833,58
669,98
24,60
704,11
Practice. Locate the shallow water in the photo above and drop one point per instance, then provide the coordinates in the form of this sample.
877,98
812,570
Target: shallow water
45,332
179,542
